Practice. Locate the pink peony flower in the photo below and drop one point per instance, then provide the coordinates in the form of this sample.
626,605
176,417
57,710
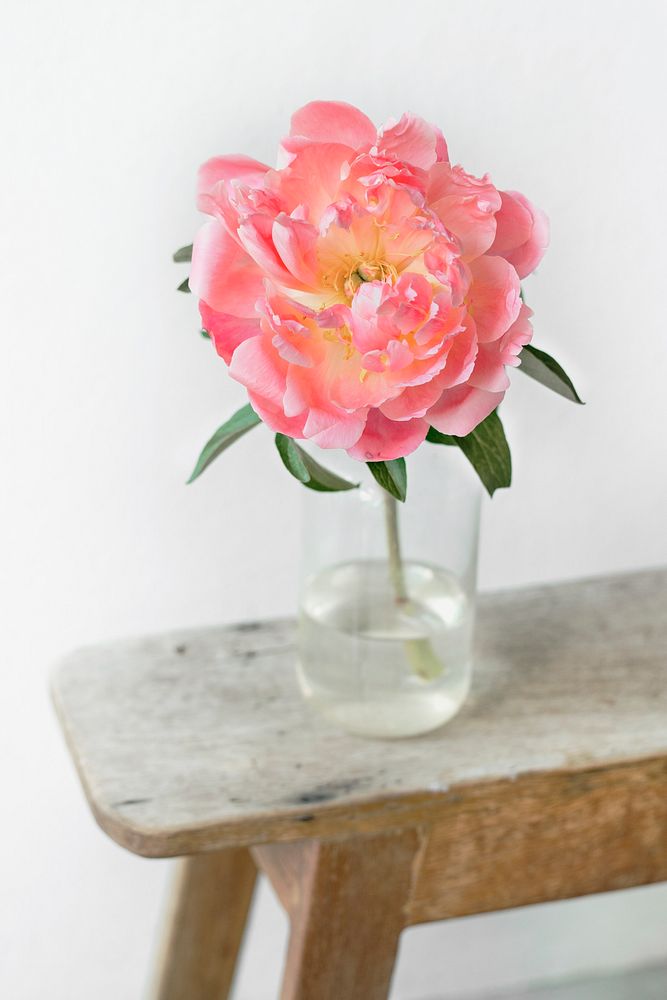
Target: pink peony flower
366,288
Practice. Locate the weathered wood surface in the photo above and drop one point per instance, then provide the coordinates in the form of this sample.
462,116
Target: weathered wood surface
199,740
205,927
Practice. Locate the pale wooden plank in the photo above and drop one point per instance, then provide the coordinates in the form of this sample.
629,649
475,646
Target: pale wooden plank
198,740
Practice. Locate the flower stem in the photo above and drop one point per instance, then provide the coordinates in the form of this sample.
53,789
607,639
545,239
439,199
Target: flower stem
394,548
419,652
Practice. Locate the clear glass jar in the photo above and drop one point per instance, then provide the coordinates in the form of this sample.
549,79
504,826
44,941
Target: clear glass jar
388,595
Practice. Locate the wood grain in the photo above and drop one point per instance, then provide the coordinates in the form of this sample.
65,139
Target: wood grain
347,901
545,837
205,927
199,740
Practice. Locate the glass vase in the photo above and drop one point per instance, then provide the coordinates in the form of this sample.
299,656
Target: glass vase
388,595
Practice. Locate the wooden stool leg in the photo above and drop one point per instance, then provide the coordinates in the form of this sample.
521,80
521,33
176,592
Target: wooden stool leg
347,903
208,917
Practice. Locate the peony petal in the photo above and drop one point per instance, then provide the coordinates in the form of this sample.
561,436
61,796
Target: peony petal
295,241
494,297
384,439
461,409
290,352
522,234
374,361
414,401
226,168
461,356
412,140
325,424
223,274
259,368
514,224
333,121
256,236
288,147
519,334
443,260
441,151
412,303
399,355
222,207
489,370
274,417
466,205
370,329
334,430
226,331
297,394
313,178
351,387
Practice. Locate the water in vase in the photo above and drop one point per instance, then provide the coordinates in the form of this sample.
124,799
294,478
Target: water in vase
381,666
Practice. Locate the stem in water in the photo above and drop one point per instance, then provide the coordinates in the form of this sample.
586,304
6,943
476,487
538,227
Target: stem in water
419,652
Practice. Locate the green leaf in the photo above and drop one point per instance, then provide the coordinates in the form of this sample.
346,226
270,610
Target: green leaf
486,449
237,425
543,368
184,286
205,334
435,437
392,477
183,254
307,470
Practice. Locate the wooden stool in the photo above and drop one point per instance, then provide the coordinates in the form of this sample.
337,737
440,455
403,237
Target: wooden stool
551,782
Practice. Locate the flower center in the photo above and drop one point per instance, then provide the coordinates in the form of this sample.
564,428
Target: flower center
353,273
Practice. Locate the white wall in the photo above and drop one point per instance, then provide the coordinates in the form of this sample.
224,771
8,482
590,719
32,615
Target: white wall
108,110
